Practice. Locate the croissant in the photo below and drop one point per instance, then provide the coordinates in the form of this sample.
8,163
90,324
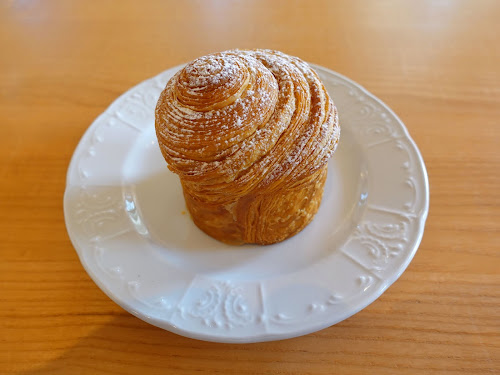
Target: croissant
249,133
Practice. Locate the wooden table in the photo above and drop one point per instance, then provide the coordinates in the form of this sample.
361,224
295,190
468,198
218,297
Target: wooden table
435,63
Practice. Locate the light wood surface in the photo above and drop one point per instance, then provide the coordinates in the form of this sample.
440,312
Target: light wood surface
435,63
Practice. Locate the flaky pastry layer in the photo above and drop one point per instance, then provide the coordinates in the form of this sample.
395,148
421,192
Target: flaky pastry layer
249,132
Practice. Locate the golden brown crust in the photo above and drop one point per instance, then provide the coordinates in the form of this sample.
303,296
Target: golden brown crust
249,133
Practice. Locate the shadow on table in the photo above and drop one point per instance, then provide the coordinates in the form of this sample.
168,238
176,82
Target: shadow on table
127,345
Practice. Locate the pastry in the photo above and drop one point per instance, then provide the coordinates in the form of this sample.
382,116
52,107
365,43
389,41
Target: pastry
249,133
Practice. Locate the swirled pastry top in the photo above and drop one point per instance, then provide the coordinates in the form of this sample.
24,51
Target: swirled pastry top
249,118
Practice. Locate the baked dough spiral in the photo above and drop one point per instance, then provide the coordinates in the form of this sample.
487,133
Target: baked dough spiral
249,132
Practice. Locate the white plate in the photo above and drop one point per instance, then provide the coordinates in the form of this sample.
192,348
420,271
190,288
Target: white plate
126,217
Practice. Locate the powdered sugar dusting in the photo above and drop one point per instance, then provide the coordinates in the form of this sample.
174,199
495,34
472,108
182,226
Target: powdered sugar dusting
251,119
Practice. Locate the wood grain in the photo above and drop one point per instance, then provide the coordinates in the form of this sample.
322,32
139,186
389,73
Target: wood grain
435,63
